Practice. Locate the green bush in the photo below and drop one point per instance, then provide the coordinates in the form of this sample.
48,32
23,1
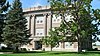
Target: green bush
6,50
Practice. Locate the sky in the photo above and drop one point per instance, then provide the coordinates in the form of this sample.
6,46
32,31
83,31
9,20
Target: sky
35,3
32,3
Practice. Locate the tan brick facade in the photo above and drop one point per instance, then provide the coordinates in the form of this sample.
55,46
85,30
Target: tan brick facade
39,22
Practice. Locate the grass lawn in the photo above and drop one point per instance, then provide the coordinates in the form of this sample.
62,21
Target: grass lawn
54,54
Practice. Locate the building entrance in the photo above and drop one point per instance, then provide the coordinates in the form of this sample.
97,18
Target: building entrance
38,45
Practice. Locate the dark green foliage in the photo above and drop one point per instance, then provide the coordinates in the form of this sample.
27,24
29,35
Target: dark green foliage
15,32
65,34
1,26
51,40
3,8
81,26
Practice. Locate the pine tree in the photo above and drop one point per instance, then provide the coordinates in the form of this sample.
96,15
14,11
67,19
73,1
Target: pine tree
15,32
3,8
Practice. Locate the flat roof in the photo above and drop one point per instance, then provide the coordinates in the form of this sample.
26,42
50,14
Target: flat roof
36,8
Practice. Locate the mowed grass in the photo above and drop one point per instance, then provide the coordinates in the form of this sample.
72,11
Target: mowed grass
54,54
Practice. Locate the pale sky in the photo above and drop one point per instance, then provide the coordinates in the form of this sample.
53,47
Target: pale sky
34,3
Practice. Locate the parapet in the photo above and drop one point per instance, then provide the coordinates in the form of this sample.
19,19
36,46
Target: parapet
36,8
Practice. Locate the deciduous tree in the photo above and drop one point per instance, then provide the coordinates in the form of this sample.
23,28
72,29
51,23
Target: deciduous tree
52,40
82,15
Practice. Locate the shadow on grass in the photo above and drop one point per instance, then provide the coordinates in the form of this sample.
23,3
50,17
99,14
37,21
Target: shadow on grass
30,52
58,52
84,53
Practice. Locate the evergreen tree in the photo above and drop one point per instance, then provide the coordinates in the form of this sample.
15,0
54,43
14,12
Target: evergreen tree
15,32
3,8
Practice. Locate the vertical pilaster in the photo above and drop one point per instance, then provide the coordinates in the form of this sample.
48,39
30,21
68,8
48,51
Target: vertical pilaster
33,30
45,24
30,23
33,25
50,20
49,23
45,29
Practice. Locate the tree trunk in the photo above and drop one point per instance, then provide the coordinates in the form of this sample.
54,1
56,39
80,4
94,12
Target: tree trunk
16,49
89,43
51,47
79,43
79,47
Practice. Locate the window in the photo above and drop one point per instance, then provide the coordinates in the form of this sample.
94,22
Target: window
39,19
68,45
39,32
56,19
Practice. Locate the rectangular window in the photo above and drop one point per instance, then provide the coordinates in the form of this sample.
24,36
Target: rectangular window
39,32
39,19
68,45
56,19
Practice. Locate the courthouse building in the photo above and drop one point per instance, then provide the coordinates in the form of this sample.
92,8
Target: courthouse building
40,20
